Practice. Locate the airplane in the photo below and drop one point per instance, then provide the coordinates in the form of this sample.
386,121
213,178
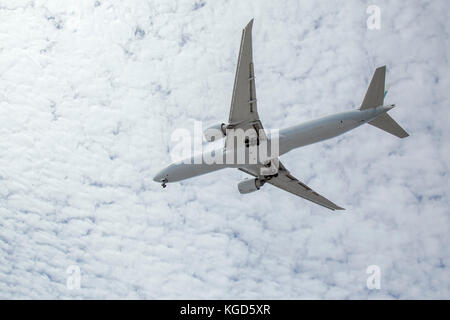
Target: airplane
244,115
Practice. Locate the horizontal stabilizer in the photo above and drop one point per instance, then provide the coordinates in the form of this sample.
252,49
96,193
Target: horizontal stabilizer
386,123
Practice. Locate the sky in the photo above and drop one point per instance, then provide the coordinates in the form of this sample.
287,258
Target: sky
91,92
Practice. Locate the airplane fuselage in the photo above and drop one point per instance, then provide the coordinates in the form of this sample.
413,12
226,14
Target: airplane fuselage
256,152
289,138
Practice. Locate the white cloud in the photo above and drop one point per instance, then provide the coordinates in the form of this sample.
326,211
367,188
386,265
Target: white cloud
89,97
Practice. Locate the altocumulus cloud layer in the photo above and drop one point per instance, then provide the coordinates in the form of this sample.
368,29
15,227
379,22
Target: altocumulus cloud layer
90,94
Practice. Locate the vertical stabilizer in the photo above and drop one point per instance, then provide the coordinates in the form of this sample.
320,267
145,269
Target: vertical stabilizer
375,98
375,94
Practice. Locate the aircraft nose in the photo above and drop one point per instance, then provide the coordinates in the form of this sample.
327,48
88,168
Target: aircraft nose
162,176
159,176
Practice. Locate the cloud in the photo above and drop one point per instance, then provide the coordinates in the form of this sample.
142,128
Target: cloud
89,97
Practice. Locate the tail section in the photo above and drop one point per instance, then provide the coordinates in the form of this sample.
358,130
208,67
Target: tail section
386,123
375,94
375,98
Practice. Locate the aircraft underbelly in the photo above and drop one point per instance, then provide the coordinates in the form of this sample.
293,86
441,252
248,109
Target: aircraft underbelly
315,132
182,171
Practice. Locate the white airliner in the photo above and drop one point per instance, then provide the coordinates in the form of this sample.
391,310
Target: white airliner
244,115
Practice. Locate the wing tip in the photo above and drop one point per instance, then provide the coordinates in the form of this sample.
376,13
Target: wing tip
335,208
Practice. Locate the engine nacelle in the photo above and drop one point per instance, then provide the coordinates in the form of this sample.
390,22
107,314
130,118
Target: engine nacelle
215,133
250,185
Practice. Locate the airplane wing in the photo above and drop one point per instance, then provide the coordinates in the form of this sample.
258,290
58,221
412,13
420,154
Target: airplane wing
244,115
244,112
284,180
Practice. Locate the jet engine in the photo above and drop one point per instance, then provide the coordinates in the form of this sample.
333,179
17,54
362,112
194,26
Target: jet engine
215,132
250,185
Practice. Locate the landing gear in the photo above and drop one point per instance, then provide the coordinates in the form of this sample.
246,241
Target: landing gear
267,178
164,181
247,142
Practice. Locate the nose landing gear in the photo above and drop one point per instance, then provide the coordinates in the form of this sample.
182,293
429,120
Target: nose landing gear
164,181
